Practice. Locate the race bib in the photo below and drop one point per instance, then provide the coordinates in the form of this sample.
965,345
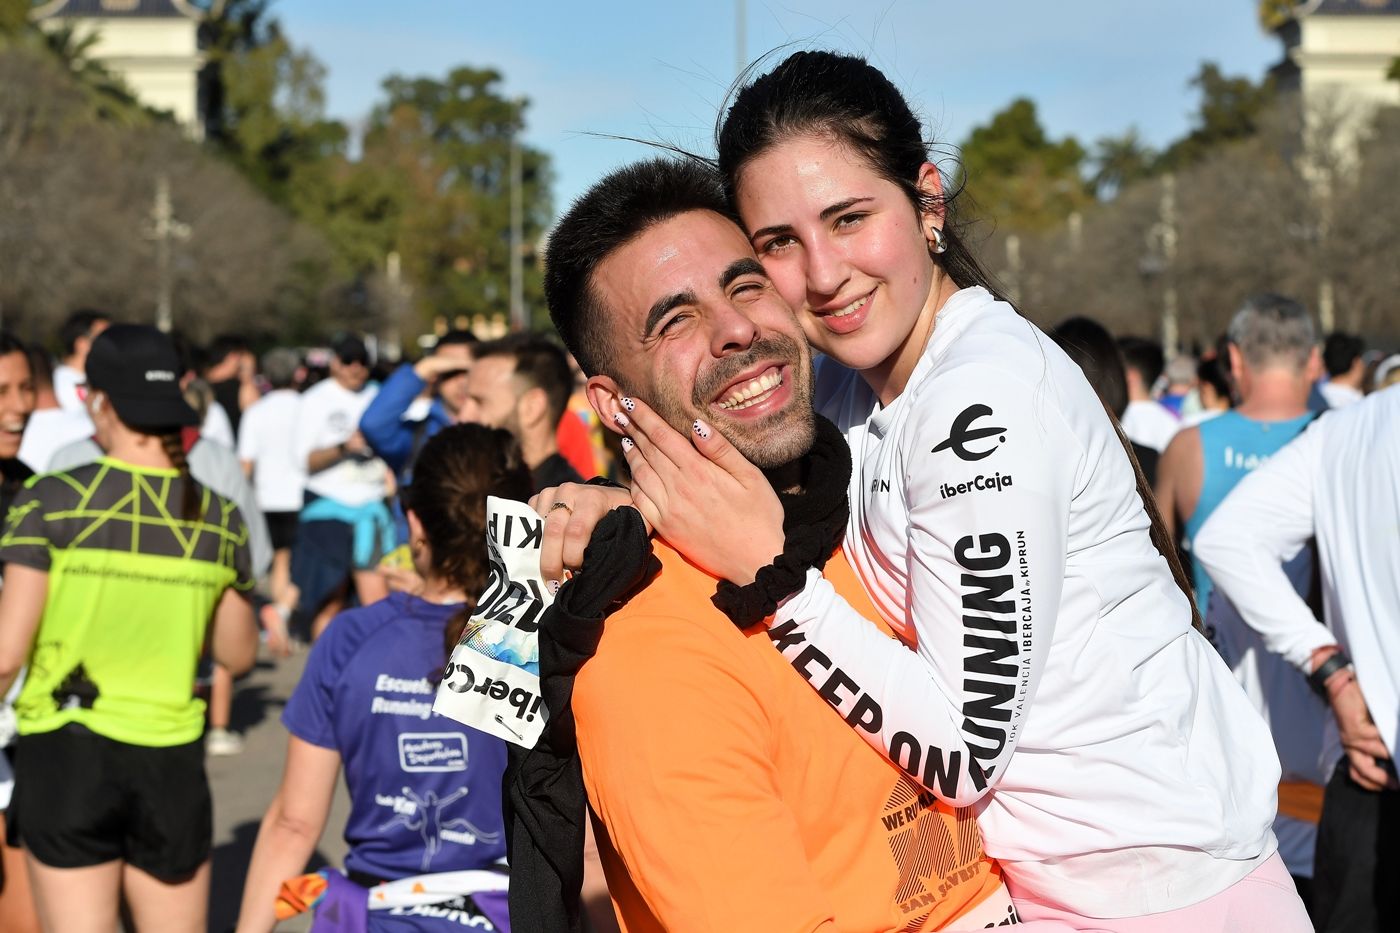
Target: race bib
492,680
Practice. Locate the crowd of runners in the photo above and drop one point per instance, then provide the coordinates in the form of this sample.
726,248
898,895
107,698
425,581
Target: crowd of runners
881,608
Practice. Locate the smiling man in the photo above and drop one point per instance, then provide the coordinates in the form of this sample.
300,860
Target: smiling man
726,796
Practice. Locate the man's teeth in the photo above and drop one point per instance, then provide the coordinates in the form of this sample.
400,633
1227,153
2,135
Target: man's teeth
850,307
754,392
12,428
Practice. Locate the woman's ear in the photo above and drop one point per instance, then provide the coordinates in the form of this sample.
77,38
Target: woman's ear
415,527
930,185
606,398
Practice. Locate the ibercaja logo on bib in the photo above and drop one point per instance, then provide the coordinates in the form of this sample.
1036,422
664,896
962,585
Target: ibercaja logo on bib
492,680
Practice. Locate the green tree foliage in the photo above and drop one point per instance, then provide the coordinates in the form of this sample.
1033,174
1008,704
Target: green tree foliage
78,190
1018,175
263,100
1274,13
1120,161
1230,110
14,17
107,94
443,148
431,183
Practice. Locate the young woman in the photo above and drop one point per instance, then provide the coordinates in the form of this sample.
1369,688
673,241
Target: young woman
425,792
997,522
113,573
16,405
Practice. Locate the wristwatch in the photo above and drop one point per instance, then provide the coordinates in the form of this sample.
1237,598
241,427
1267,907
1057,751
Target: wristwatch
1318,678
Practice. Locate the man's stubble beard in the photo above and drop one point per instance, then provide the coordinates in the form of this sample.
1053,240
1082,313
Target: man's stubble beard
771,442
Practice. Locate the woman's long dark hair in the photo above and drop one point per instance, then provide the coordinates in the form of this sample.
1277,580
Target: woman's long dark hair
844,98
847,100
455,471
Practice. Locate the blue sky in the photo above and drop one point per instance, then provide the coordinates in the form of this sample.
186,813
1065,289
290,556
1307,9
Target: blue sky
658,70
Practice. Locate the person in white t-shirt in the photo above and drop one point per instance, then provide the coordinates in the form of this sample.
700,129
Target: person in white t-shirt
279,480
1344,357
996,524
77,334
1337,483
1146,421
345,526
217,426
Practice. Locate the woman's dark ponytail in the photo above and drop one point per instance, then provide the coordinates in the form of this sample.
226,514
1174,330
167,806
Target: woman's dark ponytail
190,494
454,473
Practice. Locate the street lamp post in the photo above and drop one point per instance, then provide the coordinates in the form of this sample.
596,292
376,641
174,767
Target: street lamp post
517,224
164,228
1159,263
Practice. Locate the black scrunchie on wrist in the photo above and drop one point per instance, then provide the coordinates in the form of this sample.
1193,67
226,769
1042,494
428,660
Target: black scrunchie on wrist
814,520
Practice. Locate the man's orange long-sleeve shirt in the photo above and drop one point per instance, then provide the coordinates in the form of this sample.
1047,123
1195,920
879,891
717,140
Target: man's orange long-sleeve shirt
728,796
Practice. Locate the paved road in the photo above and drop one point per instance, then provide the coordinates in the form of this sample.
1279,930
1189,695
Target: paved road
243,786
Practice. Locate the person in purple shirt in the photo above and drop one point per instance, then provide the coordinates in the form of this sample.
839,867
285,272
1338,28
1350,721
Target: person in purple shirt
425,792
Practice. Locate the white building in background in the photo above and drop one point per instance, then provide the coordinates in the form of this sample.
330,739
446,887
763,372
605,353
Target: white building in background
1338,55
153,45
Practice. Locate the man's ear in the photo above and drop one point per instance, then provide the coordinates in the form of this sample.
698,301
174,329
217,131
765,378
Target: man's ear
533,405
1314,368
605,396
1236,362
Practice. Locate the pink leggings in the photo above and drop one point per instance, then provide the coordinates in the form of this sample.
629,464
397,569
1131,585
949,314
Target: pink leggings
1264,901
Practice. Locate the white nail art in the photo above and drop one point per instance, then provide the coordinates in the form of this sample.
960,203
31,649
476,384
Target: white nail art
628,404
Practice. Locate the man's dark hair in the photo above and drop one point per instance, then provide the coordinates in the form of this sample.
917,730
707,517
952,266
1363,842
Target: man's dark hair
223,346
1340,352
457,338
1091,346
79,324
9,343
350,349
1145,356
41,368
540,363
609,216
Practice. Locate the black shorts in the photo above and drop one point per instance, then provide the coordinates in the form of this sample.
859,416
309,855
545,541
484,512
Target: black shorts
83,799
282,529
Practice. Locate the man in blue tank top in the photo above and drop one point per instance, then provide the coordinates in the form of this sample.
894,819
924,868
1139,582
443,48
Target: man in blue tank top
1273,358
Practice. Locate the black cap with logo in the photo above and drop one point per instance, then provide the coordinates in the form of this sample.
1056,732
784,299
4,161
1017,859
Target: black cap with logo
139,371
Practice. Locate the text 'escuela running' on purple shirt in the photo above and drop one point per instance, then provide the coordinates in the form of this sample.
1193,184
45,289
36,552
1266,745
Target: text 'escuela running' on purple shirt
425,791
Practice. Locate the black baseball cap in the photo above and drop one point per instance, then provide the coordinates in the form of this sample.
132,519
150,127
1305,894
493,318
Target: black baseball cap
139,370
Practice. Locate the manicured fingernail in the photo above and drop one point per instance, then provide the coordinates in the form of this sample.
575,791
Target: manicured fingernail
553,587
628,404
621,420
626,444
702,430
